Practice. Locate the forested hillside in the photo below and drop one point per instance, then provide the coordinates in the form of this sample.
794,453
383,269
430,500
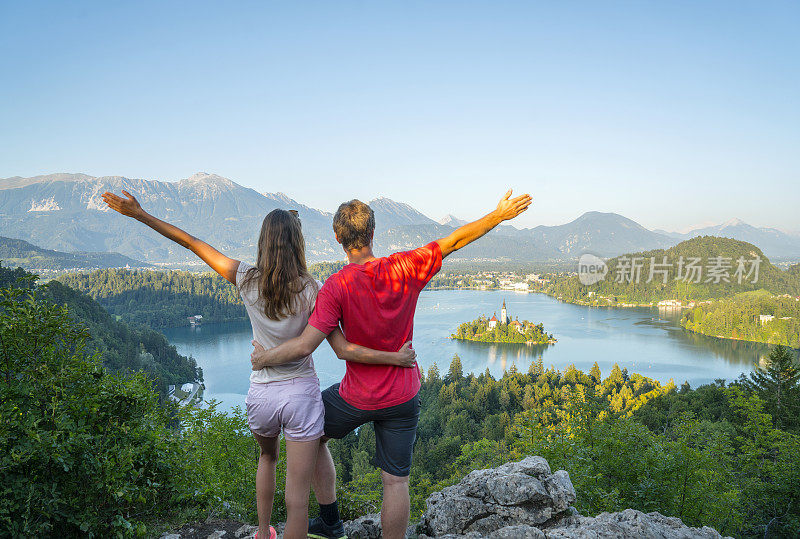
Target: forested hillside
167,298
122,347
20,253
712,275
750,316
723,455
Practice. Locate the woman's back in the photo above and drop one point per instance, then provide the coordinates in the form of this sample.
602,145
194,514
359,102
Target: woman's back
271,333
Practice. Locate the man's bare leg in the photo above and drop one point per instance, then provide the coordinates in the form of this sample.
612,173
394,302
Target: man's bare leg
324,480
396,506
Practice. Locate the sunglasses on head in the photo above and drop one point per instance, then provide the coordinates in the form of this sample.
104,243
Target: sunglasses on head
295,213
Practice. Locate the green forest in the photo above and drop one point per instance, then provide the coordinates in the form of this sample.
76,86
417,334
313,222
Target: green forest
85,450
121,347
478,330
161,299
739,317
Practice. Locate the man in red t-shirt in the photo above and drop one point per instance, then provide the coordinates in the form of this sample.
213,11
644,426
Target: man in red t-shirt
374,299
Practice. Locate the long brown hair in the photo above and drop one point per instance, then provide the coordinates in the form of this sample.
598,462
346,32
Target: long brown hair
280,271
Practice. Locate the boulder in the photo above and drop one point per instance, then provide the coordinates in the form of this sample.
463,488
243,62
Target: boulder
523,493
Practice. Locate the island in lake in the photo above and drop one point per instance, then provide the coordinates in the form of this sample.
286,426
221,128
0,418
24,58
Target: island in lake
503,330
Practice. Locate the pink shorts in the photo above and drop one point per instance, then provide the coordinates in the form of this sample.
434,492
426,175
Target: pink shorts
294,405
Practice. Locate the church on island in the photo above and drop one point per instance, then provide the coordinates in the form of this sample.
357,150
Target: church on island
503,330
506,320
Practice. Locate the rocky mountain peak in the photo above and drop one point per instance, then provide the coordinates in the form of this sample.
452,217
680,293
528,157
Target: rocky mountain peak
208,179
281,198
733,222
452,220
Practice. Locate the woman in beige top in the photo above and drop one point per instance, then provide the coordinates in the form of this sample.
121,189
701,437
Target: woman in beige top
279,296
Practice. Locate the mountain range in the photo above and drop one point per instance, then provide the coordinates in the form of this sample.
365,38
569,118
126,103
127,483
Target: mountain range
65,212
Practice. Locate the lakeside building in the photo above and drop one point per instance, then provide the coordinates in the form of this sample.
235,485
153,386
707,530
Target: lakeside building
188,393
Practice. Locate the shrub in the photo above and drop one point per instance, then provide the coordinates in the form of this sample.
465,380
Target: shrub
82,451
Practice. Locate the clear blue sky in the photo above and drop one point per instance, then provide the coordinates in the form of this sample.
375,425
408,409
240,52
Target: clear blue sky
671,113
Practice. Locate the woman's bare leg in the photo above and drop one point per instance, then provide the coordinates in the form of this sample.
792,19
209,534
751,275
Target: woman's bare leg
301,458
265,481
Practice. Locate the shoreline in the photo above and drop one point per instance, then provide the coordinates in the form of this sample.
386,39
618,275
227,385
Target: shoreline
623,306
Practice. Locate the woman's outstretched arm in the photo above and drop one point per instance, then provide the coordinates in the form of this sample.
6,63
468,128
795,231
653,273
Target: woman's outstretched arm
130,206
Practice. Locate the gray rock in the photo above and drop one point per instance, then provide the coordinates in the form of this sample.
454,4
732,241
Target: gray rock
523,493
366,527
561,491
535,466
517,532
369,527
628,524
246,531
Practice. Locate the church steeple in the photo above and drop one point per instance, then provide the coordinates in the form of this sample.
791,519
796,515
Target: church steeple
504,314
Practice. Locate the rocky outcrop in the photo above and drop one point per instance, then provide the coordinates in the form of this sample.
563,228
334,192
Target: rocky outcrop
518,494
518,500
628,524
526,500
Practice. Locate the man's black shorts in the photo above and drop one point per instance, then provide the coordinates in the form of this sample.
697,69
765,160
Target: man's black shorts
395,428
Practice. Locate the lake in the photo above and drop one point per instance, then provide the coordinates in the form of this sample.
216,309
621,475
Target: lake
647,341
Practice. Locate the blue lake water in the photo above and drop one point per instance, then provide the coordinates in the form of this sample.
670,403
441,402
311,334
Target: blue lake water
647,341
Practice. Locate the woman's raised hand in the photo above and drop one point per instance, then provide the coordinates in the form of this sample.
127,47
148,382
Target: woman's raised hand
406,356
126,206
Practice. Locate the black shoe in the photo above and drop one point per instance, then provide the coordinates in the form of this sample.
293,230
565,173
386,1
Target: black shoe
319,530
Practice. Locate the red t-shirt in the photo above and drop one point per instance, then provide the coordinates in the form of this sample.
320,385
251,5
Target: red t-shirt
375,304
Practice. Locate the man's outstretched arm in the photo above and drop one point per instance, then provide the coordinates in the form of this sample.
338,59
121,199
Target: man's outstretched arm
507,208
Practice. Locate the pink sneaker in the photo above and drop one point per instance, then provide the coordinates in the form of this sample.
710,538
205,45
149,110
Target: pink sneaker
272,534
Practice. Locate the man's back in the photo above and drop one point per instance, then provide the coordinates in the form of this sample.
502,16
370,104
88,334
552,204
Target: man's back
375,304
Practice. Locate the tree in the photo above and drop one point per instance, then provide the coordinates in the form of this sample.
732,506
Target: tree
456,372
595,373
778,385
433,374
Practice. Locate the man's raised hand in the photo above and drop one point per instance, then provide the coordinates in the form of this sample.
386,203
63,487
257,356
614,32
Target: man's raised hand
508,207
126,206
